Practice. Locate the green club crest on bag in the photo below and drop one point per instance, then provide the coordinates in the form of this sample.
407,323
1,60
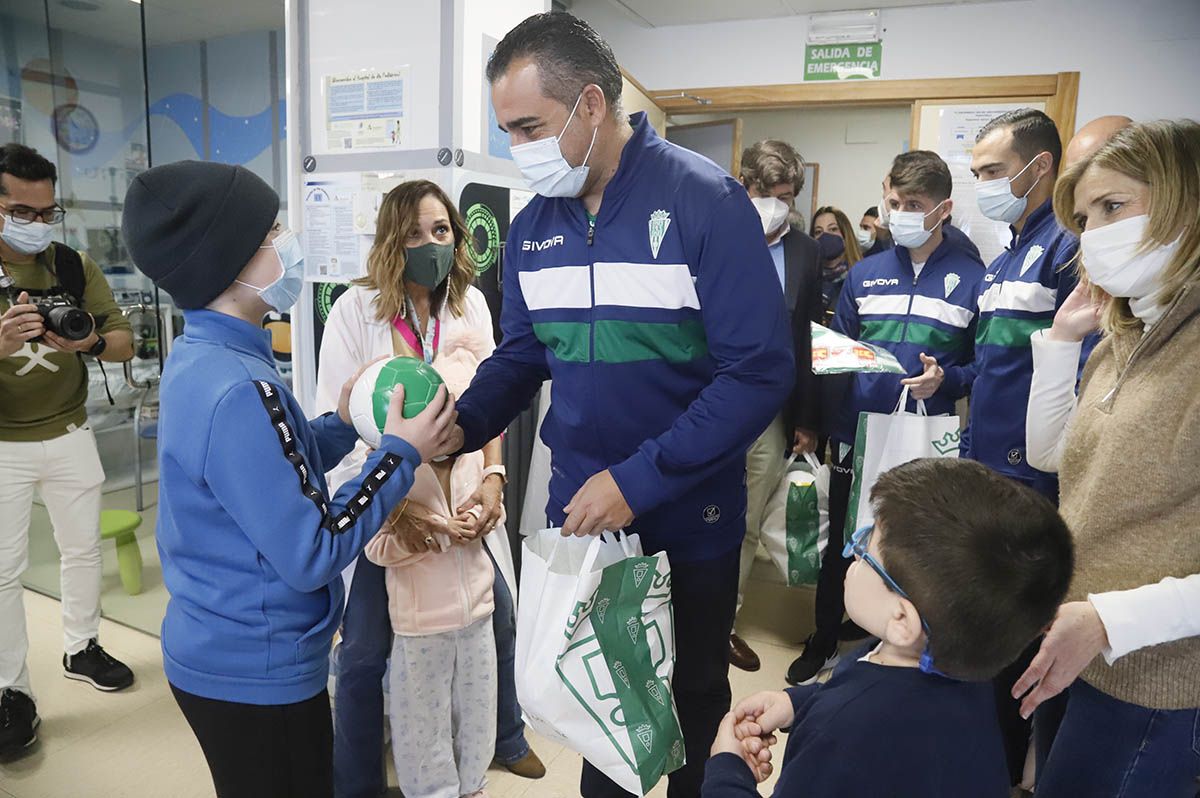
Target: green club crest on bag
652,687
639,573
948,443
619,640
645,734
622,674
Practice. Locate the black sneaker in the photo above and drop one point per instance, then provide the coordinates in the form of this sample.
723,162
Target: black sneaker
94,666
18,723
815,659
850,631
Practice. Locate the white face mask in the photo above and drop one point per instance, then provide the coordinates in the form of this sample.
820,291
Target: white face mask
866,238
996,200
283,292
773,212
1115,260
908,227
883,213
546,170
27,239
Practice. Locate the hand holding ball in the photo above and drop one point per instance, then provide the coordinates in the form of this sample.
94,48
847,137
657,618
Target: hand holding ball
426,414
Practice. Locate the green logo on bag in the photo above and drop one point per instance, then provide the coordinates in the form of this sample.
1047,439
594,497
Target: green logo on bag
622,674
948,443
645,733
602,609
601,663
655,692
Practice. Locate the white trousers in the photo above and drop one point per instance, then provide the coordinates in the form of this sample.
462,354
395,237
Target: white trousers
66,472
764,469
443,711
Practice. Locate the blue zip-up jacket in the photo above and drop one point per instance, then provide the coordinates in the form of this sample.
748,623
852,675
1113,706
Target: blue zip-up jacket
884,304
880,731
251,546
1019,295
665,333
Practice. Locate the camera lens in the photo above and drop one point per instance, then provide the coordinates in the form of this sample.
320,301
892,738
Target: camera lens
71,323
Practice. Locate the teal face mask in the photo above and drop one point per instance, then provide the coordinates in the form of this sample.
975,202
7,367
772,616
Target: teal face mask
428,264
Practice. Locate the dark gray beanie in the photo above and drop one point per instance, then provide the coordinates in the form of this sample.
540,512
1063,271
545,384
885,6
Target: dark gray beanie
192,226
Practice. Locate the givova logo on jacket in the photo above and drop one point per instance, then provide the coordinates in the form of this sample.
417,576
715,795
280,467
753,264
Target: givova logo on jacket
618,666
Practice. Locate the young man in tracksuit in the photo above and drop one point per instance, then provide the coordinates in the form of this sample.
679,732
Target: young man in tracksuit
639,281
917,300
1016,161
251,542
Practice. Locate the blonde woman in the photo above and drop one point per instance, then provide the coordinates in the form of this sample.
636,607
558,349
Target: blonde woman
423,592
1127,644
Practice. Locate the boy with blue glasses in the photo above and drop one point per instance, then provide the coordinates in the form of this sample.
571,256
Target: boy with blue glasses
962,569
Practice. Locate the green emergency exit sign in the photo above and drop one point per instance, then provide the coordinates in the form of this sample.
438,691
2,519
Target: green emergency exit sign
852,61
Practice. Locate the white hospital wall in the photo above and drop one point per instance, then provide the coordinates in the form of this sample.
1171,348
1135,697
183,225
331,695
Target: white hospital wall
1134,58
853,146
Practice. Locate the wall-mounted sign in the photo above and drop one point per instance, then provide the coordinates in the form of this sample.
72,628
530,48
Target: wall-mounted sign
848,61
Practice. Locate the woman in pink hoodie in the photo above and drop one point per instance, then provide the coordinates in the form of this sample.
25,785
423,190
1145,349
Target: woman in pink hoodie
418,300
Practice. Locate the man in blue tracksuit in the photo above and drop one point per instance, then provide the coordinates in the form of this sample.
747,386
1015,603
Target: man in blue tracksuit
917,300
641,283
1016,160
251,542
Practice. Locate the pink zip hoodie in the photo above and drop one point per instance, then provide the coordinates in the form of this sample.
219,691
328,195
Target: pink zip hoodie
432,593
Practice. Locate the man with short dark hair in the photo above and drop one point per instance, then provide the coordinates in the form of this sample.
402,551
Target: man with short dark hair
628,282
917,300
773,173
873,235
1016,162
45,443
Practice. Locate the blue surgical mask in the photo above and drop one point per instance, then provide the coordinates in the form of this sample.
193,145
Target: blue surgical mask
996,200
283,293
908,227
546,170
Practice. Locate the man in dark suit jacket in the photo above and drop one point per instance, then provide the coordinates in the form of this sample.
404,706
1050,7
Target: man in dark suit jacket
773,173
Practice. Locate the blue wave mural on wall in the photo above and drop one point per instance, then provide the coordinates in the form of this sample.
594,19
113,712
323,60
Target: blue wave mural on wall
232,139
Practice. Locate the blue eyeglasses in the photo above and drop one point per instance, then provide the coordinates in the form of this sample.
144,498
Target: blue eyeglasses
857,547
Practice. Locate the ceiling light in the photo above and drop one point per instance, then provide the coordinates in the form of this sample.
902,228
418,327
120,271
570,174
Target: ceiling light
844,26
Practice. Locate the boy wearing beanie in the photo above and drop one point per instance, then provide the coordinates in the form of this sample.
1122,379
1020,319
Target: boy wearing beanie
251,542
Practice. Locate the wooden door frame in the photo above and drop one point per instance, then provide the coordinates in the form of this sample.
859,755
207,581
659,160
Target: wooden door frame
736,157
1059,91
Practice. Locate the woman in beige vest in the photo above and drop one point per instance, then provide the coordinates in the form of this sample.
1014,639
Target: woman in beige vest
1127,644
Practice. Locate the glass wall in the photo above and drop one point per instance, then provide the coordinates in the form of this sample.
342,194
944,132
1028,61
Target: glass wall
105,89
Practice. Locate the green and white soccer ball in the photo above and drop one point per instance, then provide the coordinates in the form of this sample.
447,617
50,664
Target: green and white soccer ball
372,393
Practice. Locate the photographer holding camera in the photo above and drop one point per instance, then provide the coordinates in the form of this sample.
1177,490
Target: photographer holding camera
55,308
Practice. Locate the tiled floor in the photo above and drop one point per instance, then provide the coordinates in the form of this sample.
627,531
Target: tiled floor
136,744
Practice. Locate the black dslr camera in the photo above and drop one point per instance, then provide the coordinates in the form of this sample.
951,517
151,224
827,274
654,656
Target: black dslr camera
58,310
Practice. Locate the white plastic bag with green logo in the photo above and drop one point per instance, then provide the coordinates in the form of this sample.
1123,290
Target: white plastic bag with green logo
834,353
795,528
596,653
884,441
